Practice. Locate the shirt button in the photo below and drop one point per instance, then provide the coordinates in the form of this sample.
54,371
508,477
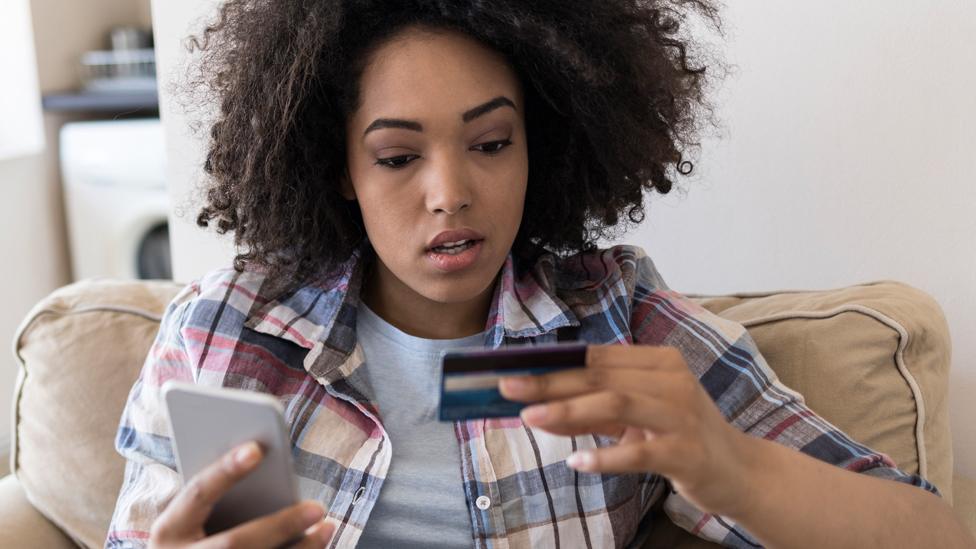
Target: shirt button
483,502
358,495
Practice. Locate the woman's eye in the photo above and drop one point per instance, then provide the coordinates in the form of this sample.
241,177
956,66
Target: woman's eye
396,161
493,147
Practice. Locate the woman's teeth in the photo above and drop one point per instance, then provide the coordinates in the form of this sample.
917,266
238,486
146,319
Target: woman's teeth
453,248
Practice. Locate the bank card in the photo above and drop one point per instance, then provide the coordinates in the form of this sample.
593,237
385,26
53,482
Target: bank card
469,377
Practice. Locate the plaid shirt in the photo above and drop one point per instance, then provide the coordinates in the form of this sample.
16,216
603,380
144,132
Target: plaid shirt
224,331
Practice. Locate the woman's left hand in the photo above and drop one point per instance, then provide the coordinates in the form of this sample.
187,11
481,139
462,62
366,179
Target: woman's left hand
664,422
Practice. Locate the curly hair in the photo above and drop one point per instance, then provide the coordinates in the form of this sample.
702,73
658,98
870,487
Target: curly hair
613,97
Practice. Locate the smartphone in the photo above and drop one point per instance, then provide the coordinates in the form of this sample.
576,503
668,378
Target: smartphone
207,422
469,377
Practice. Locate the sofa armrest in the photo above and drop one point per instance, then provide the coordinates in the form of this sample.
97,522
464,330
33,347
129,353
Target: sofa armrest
872,359
21,525
964,503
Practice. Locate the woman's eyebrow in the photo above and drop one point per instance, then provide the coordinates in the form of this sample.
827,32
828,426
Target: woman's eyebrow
467,116
484,108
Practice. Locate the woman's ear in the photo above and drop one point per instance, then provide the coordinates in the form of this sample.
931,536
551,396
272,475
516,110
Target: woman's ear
345,186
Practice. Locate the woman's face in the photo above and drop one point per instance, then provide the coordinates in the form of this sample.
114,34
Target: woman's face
438,144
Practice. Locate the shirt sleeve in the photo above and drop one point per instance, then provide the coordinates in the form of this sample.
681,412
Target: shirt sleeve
151,479
724,357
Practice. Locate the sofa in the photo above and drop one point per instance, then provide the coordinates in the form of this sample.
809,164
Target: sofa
872,359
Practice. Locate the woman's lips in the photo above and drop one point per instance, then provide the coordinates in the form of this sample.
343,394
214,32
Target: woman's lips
449,263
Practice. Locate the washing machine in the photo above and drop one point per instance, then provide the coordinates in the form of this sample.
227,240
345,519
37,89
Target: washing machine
116,203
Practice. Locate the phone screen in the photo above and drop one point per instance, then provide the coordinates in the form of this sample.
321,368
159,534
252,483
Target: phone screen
208,422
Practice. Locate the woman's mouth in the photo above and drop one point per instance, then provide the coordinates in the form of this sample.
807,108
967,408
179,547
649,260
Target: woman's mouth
454,256
454,248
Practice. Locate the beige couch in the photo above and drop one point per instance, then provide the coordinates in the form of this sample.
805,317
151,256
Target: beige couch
872,359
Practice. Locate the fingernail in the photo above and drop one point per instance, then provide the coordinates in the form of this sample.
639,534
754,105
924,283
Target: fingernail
312,512
580,460
246,455
321,531
325,532
515,384
534,414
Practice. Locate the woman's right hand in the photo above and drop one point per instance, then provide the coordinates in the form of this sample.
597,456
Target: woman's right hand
181,523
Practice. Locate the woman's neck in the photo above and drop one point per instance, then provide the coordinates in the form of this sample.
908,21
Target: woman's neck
414,314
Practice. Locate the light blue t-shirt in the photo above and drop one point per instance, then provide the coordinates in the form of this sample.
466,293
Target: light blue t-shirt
421,504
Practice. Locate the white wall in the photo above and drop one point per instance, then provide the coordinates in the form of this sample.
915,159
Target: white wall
32,231
849,157
21,162
194,251
21,132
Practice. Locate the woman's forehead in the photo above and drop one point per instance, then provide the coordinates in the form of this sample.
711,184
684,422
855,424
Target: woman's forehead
429,74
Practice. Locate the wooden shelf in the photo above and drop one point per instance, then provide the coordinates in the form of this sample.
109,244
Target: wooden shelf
102,102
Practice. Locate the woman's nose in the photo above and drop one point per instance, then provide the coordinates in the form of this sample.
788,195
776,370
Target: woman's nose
448,189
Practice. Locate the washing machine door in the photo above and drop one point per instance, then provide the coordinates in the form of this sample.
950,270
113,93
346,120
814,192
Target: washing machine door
115,197
152,255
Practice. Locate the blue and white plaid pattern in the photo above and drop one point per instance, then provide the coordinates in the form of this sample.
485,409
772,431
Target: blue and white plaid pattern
223,330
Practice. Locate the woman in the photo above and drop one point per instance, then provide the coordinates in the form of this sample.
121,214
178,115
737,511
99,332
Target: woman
405,177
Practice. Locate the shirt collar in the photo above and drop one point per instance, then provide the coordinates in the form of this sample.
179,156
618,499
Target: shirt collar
321,315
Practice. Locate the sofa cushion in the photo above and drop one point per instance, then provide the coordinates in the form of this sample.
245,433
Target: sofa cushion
964,500
21,525
872,359
80,349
